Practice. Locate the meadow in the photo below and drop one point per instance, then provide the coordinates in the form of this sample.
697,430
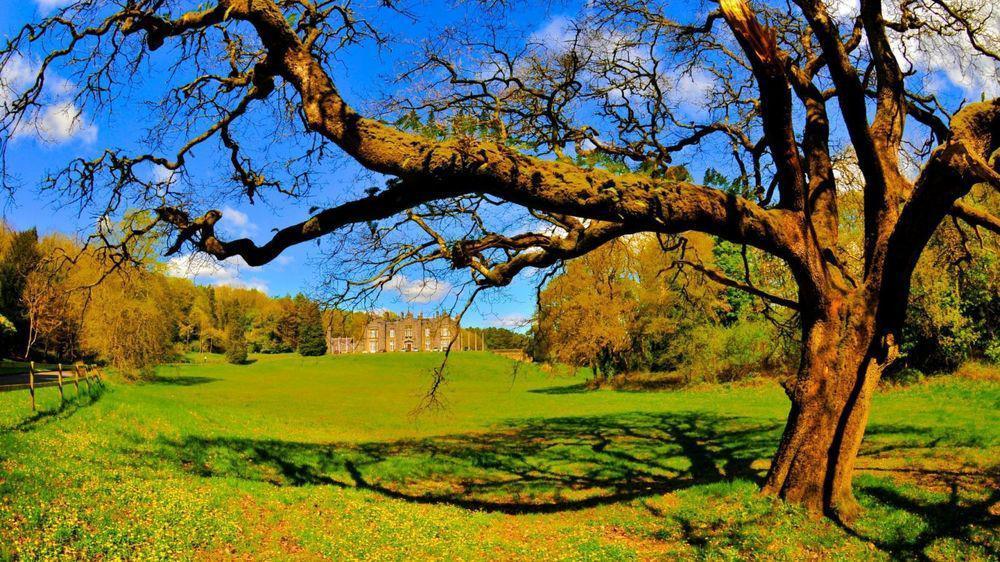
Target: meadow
306,458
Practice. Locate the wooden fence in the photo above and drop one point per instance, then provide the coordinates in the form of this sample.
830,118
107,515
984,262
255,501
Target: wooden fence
31,376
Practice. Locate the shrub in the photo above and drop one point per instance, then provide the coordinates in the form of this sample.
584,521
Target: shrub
728,353
992,352
903,377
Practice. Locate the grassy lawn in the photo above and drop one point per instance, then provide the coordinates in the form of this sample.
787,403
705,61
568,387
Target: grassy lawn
296,458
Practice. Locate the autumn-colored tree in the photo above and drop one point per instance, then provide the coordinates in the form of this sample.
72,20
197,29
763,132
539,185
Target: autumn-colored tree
586,316
287,327
579,138
236,341
648,293
45,303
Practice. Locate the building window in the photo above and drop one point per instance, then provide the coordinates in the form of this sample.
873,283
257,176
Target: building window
444,332
427,343
373,333
392,345
371,346
392,332
427,333
408,333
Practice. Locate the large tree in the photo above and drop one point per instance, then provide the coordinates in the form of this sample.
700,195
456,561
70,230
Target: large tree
576,130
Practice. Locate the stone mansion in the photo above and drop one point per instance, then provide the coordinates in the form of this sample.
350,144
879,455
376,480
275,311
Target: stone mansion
408,333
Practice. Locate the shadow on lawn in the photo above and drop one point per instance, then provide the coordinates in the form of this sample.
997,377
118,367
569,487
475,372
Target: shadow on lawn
958,517
578,388
179,380
66,409
540,466
563,464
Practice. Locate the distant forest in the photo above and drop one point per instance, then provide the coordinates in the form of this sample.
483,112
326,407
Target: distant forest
62,301
632,306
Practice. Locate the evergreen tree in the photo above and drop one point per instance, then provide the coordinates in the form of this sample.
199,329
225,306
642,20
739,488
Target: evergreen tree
312,340
21,257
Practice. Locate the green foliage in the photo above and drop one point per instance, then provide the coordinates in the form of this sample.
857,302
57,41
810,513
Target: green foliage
19,256
312,341
500,338
624,309
729,259
215,460
723,353
954,311
992,351
903,377
7,327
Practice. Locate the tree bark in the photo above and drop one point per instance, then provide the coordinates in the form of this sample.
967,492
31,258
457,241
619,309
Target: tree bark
843,357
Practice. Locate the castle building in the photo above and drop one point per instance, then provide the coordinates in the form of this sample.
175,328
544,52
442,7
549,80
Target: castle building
408,333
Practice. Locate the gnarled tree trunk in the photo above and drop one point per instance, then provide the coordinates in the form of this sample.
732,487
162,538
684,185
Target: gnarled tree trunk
845,350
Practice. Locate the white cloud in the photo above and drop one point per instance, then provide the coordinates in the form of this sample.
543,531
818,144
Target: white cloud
691,89
59,119
950,56
17,74
60,123
419,290
47,6
843,9
207,270
514,321
162,174
557,35
237,222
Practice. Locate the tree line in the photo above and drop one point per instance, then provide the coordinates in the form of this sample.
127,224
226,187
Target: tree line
61,301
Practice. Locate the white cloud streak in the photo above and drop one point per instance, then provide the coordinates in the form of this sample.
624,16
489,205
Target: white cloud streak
59,120
206,270
237,223
419,290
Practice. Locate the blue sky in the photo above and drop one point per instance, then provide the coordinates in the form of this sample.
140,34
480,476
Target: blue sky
360,76
61,139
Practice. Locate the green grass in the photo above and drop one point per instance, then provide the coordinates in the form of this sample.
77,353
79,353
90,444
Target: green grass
302,458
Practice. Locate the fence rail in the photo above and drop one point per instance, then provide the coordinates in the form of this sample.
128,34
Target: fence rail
31,376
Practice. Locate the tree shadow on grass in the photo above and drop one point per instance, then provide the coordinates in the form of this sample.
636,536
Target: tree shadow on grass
538,466
921,508
563,464
579,388
180,380
911,523
66,409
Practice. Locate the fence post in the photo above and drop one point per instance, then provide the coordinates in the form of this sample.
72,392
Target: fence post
62,397
31,383
76,378
87,378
